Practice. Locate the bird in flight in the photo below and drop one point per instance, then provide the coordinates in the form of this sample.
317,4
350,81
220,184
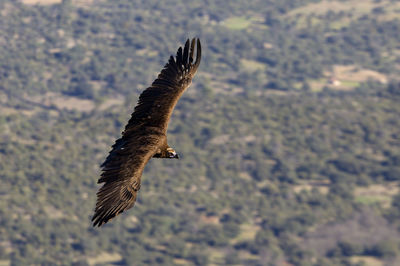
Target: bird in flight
144,136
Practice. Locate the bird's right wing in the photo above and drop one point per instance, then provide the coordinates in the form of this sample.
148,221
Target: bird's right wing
122,171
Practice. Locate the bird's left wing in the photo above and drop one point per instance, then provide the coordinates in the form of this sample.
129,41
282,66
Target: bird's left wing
157,102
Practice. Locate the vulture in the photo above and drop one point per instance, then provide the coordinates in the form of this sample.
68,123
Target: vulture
144,136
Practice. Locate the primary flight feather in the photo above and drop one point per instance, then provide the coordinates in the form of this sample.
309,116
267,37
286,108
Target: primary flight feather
144,136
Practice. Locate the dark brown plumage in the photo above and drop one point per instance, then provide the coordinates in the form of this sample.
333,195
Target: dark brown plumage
144,136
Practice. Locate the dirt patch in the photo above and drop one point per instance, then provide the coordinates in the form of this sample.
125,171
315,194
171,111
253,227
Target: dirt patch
5,262
116,101
356,74
105,258
321,185
247,232
63,102
209,219
252,66
366,228
249,139
3,97
7,247
220,140
7,9
357,7
181,262
346,77
367,260
245,176
41,2
53,213
376,193
11,111
147,52
80,3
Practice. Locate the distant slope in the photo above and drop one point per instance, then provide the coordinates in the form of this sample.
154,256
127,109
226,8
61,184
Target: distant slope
279,165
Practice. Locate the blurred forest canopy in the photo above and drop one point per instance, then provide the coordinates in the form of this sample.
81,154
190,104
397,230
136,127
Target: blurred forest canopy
289,135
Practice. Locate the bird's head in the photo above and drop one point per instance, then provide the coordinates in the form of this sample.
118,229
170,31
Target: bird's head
171,153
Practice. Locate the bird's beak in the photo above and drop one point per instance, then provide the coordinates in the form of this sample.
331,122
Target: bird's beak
176,156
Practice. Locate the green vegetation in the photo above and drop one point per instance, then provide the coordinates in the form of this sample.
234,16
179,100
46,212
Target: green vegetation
237,23
280,164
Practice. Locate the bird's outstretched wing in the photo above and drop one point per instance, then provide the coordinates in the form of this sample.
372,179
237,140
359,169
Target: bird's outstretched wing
143,135
157,102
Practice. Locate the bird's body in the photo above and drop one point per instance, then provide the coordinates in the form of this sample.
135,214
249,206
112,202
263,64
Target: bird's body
144,136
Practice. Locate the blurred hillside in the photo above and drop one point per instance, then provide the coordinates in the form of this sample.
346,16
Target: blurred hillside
289,136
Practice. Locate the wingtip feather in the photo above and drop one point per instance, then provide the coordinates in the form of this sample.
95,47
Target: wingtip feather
179,59
198,54
192,44
186,54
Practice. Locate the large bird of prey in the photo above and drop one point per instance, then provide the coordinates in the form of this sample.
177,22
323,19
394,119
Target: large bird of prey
144,136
